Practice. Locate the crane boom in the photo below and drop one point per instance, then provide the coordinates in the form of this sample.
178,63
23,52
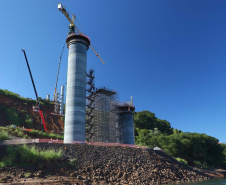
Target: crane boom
36,94
63,10
97,54
58,73
40,111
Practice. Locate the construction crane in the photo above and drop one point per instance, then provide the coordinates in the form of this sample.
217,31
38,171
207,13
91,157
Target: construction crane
39,106
54,97
72,26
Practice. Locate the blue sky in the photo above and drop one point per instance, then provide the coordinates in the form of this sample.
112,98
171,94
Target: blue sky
169,55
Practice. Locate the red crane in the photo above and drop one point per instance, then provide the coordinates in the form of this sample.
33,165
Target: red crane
40,111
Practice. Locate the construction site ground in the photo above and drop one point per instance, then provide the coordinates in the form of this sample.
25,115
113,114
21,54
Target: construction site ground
106,165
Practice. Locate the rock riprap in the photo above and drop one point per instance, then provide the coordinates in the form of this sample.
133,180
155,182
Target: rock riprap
118,165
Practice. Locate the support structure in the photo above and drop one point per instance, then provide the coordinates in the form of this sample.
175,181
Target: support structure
107,120
90,105
62,100
126,111
75,113
56,104
48,97
105,116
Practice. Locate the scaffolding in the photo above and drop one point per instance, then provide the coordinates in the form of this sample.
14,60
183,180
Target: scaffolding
57,104
105,121
90,105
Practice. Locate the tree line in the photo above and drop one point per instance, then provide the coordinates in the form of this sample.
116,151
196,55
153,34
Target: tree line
194,149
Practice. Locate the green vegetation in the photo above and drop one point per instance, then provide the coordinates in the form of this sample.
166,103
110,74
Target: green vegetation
29,121
15,96
11,115
4,135
28,156
181,160
20,132
40,134
28,174
147,120
192,148
224,152
62,118
73,161
25,100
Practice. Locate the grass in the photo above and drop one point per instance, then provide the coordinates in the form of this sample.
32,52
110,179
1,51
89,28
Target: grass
28,174
19,132
181,160
15,96
8,159
2,164
25,155
37,157
4,135
37,134
72,161
25,100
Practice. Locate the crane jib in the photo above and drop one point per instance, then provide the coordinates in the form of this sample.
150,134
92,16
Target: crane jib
63,10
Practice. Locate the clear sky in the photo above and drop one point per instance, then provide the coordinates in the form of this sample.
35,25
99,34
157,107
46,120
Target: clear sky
168,54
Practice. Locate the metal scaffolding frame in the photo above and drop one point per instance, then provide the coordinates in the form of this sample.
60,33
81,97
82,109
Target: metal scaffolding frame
107,120
90,105
57,104
105,116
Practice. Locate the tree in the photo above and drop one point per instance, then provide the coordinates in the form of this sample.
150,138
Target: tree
196,149
142,138
144,120
147,120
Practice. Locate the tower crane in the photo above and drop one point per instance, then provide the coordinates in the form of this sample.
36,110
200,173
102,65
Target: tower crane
72,26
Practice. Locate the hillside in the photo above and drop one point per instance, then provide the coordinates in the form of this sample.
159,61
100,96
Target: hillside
18,111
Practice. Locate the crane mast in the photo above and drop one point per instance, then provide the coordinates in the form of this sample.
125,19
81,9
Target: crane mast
72,26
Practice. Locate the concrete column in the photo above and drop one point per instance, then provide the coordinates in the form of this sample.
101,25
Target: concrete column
126,121
62,100
75,114
48,97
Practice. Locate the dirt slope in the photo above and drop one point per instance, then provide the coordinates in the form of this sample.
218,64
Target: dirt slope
17,111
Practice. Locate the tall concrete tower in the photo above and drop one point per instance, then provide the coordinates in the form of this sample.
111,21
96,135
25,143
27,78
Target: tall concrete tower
126,112
62,100
75,113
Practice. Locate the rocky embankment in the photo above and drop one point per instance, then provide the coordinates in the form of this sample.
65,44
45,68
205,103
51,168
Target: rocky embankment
112,165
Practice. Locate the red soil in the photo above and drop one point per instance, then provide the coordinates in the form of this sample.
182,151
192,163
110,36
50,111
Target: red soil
53,122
